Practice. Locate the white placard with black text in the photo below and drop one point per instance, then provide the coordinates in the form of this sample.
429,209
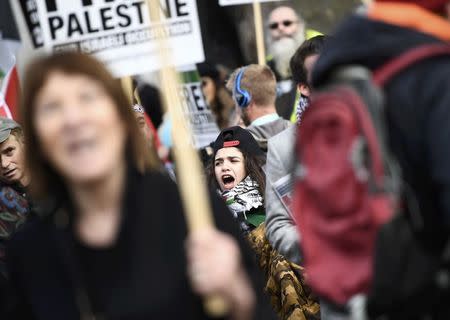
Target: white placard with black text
118,32
202,122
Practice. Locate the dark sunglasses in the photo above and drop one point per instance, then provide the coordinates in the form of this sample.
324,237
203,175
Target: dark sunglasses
285,23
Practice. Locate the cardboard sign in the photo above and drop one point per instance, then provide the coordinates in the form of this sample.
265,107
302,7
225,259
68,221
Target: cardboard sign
203,125
236,2
118,32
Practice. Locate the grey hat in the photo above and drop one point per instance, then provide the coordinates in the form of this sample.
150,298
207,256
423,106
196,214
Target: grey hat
6,125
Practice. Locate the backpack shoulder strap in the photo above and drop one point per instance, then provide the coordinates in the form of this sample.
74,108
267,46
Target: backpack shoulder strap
390,69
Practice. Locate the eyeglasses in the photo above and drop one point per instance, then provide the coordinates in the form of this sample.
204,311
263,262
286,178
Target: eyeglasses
285,23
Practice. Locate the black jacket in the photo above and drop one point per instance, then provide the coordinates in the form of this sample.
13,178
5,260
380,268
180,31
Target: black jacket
417,106
143,276
418,123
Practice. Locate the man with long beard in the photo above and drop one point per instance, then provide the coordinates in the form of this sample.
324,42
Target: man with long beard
286,33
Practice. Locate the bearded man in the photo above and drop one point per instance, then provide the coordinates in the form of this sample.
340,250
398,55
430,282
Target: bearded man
286,34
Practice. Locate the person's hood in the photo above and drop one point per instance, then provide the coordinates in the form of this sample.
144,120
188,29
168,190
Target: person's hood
382,32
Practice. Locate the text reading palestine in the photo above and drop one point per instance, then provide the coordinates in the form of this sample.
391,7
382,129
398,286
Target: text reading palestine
95,20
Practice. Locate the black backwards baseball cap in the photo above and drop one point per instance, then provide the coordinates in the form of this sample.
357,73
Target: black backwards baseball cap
6,125
239,138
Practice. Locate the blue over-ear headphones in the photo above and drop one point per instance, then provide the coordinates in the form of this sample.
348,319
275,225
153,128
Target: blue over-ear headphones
240,95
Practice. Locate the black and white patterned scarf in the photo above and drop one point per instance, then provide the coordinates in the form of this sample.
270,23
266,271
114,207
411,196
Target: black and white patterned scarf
303,103
244,197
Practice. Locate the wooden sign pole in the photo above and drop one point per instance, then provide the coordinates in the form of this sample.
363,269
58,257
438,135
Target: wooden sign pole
137,97
259,32
127,86
189,169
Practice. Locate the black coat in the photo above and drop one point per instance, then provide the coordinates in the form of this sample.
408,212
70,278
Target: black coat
418,123
143,276
417,106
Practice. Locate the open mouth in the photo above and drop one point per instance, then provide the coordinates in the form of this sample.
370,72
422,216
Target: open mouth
228,181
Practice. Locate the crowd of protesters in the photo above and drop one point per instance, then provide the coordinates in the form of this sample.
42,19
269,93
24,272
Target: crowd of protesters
92,224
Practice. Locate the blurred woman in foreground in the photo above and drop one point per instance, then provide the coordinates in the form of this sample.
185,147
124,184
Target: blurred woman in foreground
114,247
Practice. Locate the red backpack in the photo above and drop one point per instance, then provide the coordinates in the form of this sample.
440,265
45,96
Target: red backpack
347,185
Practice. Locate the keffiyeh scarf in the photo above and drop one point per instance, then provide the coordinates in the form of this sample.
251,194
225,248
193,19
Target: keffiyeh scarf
303,103
246,204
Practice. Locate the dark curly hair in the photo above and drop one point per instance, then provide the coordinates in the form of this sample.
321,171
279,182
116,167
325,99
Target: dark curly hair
253,168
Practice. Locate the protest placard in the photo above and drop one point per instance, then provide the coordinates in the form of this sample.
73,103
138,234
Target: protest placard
200,118
118,32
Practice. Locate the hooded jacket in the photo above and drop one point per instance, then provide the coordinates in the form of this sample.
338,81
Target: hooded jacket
417,100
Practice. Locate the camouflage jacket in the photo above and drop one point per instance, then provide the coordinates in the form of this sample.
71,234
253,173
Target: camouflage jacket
289,294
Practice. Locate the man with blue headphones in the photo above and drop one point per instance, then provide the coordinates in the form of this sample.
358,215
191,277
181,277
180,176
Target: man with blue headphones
254,93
